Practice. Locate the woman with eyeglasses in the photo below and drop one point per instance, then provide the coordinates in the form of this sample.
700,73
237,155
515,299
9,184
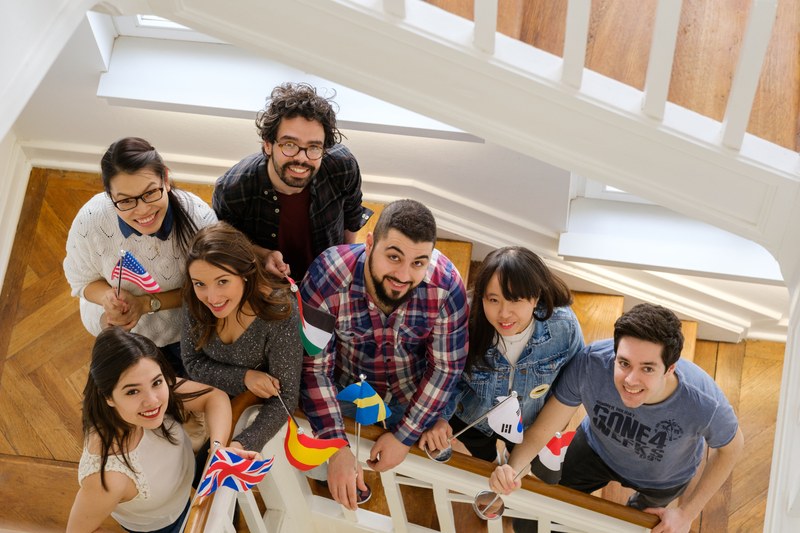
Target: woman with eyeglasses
141,212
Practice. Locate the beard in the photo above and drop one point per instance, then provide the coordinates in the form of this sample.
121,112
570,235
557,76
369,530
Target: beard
393,300
284,175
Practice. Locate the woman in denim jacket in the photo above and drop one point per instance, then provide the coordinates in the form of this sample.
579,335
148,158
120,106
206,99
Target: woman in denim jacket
522,332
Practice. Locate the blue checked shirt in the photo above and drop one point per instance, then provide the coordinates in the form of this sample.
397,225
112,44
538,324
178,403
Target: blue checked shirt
415,354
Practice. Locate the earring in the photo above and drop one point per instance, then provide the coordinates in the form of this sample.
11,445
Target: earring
245,279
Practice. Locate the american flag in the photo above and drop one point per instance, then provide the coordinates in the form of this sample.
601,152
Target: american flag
134,272
227,469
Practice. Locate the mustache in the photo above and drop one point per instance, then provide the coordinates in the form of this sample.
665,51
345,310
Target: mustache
297,164
392,278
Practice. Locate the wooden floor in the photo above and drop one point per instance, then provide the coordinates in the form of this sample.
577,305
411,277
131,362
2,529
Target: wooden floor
44,353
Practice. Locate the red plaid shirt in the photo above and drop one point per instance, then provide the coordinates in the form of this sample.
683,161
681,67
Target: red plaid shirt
415,354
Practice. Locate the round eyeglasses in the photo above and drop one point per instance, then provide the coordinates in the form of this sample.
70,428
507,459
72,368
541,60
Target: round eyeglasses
290,149
126,204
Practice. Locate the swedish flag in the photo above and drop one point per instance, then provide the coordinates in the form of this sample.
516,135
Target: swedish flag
370,408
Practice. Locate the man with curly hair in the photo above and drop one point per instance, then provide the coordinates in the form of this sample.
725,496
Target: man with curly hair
650,415
302,193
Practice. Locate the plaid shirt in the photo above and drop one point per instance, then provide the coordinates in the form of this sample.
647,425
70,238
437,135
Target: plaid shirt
245,198
415,354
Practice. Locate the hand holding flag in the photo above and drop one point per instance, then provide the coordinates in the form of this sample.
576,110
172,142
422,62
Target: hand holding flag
228,469
129,269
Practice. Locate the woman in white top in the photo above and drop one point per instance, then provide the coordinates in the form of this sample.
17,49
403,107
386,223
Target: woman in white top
137,464
143,213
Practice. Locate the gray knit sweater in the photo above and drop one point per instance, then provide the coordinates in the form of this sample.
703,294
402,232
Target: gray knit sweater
273,347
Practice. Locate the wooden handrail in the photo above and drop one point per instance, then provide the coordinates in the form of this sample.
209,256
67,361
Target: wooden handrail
564,494
198,513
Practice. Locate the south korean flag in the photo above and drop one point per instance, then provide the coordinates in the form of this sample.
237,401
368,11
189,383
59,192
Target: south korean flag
506,419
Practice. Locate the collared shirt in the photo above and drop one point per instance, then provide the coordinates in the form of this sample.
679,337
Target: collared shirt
245,198
415,354
163,232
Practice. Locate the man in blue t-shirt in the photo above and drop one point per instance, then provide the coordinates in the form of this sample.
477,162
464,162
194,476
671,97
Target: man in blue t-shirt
649,416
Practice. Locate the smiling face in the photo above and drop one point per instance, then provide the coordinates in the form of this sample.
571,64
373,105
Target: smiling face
217,289
395,266
144,218
290,175
639,374
508,317
141,395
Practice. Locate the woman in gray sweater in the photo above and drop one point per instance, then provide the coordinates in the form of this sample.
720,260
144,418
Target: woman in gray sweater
240,328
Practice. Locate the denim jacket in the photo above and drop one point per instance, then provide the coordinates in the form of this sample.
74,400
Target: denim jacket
552,344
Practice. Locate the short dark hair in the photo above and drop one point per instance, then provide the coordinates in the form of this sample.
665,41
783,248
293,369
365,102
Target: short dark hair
522,276
134,154
410,218
227,248
652,323
290,100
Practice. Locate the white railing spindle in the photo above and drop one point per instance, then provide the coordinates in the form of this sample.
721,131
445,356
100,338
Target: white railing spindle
662,56
745,79
444,507
485,25
575,36
394,499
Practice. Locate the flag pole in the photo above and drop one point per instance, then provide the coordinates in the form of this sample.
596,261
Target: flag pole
484,415
119,263
299,429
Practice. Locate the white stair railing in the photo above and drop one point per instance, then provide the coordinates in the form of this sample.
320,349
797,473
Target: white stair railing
291,506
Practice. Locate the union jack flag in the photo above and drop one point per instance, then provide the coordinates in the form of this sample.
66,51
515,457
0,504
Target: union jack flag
134,272
227,469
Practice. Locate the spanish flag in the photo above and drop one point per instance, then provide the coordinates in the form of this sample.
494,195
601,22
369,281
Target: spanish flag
304,452
370,408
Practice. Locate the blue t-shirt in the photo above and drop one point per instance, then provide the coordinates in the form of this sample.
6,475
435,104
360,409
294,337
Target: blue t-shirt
655,446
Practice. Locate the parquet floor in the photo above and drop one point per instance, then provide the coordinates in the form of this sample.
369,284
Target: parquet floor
44,354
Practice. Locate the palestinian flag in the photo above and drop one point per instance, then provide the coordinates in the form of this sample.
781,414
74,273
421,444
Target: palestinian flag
304,452
316,326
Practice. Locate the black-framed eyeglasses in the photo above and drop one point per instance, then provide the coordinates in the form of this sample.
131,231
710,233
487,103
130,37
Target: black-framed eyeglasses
153,195
290,149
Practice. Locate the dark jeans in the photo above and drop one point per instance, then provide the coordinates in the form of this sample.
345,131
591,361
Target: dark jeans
479,445
174,527
172,352
584,471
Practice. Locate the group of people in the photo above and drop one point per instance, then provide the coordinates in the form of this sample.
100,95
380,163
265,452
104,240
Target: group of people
225,321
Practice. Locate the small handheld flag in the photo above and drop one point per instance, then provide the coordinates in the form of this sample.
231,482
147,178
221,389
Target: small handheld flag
304,452
547,465
227,469
506,420
129,269
316,326
370,408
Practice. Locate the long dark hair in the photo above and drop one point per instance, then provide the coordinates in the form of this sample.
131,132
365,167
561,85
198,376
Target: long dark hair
227,248
522,275
132,154
115,351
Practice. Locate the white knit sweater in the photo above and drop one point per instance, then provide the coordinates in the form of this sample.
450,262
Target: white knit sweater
93,247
